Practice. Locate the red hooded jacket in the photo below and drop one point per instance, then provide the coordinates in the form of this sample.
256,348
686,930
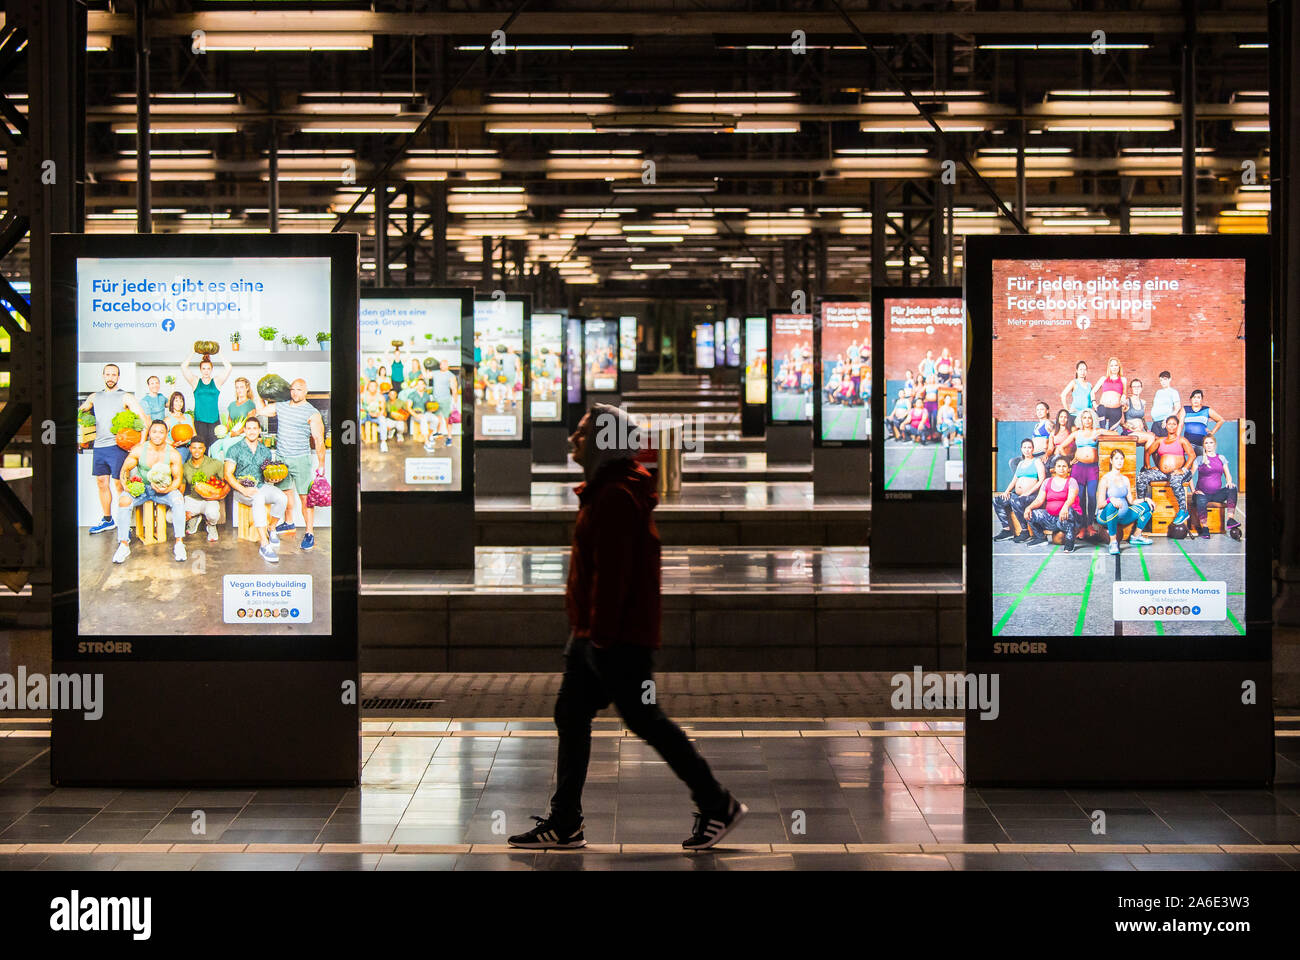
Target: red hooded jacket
612,595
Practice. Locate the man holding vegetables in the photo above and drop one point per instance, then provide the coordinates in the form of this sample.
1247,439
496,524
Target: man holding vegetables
105,405
246,460
160,465
202,467
299,429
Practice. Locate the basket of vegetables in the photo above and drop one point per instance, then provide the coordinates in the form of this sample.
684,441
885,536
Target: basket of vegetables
210,488
397,410
86,425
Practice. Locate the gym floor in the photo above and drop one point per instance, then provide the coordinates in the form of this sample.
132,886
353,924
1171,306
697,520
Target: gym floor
915,466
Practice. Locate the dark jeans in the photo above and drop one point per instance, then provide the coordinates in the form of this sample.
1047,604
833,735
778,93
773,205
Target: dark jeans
207,432
593,678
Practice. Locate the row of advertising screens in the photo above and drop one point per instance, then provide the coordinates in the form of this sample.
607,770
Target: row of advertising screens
717,344
1121,422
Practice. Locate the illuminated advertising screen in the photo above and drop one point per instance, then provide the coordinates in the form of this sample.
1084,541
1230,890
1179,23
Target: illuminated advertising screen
844,376
704,352
791,367
719,343
500,369
573,360
925,392
756,360
548,367
733,341
205,450
1119,406
627,344
411,409
600,356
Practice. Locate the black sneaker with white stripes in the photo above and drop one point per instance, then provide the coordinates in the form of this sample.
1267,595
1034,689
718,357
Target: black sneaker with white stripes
712,827
549,835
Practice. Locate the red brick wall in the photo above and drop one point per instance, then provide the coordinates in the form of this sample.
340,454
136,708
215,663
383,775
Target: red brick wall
838,330
1191,332
906,344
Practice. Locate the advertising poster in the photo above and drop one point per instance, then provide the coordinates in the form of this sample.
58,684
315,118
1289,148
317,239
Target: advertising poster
573,361
627,344
733,341
1118,391
548,366
792,367
204,461
411,430
498,370
845,376
719,343
704,352
600,356
756,360
925,393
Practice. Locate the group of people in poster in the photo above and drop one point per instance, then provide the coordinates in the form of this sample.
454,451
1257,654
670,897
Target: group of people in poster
847,376
498,376
1061,484
930,405
794,369
399,393
149,449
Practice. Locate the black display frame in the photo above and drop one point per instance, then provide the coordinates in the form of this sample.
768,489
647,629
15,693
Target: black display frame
818,441
562,419
582,356
879,296
695,328
466,297
341,644
1256,644
753,416
526,401
771,371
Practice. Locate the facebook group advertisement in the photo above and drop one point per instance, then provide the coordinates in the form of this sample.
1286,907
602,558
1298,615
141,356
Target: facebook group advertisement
792,367
1118,391
845,371
573,361
600,356
627,344
204,448
498,369
755,360
411,432
705,355
548,366
925,392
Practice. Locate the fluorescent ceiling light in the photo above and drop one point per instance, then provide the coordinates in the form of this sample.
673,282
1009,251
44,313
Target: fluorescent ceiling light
1162,150
737,95
1108,94
1250,126
651,266
286,42
566,47
549,96
1062,46
179,126
535,126
1109,126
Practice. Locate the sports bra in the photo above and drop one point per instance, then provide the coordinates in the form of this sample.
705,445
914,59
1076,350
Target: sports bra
1113,491
1043,429
1196,422
1027,467
1112,383
1170,446
1080,443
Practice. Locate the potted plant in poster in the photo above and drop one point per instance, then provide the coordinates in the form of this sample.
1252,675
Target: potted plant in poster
284,339
300,341
234,340
267,334
323,339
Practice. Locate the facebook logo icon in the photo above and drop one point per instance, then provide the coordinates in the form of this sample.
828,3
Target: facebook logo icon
169,325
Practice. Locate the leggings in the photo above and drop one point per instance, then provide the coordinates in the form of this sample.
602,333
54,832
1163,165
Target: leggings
1224,495
1149,476
1004,509
1086,475
1123,518
1110,416
1043,521
918,433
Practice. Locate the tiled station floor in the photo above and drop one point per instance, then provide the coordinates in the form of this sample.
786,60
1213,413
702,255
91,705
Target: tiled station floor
829,793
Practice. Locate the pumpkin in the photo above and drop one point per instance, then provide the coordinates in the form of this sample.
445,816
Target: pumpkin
397,343
385,386
206,347
502,378
126,439
274,388
431,406
135,487
430,363
182,433
275,471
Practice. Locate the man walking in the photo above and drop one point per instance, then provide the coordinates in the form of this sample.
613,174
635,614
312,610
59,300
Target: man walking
613,604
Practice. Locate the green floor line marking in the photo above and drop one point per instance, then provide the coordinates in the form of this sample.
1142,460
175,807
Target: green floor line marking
1189,560
1077,593
1160,626
1087,592
934,462
890,482
1024,592
1236,624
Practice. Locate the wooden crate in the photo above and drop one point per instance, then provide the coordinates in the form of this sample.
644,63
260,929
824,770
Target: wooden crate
151,523
244,521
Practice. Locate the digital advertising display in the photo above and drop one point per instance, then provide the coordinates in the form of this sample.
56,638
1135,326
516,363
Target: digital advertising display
719,343
843,375
756,360
573,361
627,344
500,368
791,367
411,392
205,396
600,356
1121,428
548,367
924,390
733,341
705,356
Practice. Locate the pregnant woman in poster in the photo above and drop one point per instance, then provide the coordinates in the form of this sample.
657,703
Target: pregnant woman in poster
1168,458
1118,506
1059,441
1055,508
1214,485
1085,468
1111,392
1025,483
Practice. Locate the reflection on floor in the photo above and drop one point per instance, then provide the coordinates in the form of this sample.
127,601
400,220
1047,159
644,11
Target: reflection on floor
756,495
851,793
711,466
128,598
685,570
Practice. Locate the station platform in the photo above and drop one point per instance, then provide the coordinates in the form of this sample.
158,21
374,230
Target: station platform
716,467
730,608
825,793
